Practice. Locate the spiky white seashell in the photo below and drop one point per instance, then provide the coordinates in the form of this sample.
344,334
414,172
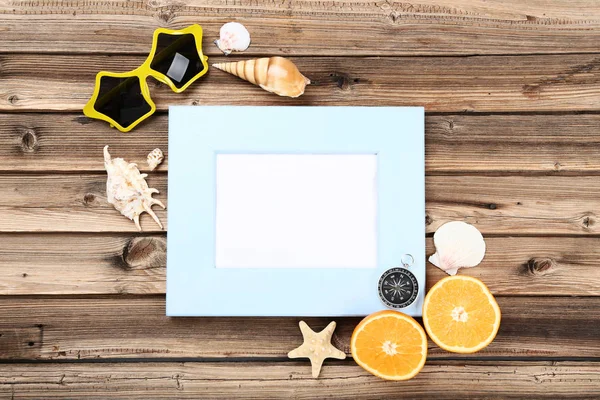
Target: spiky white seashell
233,37
128,191
155,157
457,245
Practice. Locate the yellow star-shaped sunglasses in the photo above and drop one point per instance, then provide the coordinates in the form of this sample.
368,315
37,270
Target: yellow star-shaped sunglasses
123,99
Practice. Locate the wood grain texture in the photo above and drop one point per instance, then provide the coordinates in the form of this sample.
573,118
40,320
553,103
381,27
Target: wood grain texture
75,328
445,84
309,27
82,264
457,143
506,205
535,205
512,150
63,203
293,380
78,264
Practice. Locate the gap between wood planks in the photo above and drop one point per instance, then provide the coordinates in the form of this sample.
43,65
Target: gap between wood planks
244,56
348,361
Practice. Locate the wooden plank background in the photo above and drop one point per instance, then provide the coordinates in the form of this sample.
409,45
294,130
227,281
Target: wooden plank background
511,90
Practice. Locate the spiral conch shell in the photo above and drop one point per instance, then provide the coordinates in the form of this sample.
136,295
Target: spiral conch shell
274,74
128,191
457,245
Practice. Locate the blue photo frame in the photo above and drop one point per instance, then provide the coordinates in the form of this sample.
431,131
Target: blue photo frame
195,287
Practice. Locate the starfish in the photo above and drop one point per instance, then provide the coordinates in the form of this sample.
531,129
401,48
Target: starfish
317,347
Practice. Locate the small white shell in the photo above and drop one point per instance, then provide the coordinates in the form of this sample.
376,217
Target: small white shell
155,157
128,191
233,37
457,245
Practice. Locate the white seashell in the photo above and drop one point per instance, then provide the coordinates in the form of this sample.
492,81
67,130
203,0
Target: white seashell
457,245
233,37
155,157
128,191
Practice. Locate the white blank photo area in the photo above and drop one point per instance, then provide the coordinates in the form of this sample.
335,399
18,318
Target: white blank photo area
296,211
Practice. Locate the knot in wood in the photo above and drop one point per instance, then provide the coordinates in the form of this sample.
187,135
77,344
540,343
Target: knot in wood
341,344
532,91
145,252
166,15
29,141
342,80
539,266
13,99
89,198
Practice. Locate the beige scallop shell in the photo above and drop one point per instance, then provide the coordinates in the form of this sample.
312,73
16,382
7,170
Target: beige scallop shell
457,245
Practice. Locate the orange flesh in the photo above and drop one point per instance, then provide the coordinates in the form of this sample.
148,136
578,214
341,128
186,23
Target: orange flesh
389,345
461,314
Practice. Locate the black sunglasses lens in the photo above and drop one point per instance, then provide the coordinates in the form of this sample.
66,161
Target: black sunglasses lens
121,99
177,57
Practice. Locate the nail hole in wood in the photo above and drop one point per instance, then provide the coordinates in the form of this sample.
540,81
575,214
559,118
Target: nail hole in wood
82,120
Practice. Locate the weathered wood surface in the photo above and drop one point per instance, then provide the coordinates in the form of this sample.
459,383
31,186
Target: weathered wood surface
309,27
78,328
455,143
513,149
507,205
292,380
79,264
63,203
82,264
34,82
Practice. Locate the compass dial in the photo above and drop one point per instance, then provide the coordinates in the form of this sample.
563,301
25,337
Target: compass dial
398,288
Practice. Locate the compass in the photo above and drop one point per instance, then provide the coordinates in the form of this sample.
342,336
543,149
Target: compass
398,287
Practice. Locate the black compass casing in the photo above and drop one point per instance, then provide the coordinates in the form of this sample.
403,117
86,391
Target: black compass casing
398,288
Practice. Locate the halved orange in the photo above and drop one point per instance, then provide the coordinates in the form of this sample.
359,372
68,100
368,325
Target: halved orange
460,314
390,345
